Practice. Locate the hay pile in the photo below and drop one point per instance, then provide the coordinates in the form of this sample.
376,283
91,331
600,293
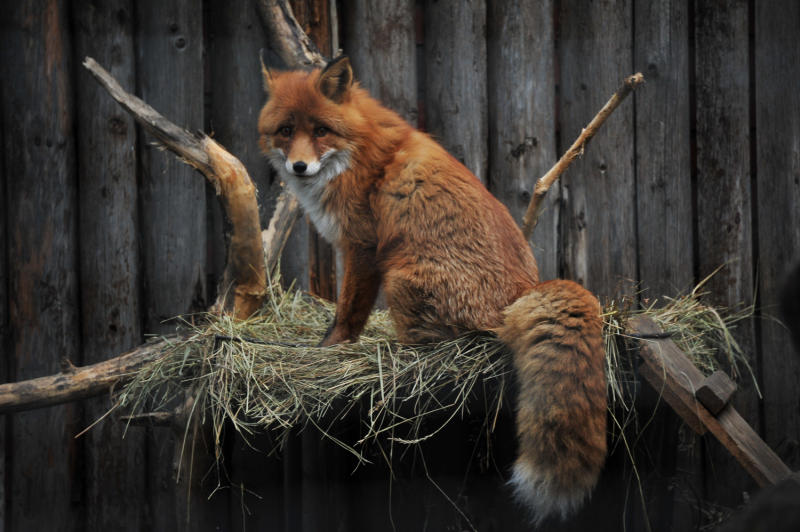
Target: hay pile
266,374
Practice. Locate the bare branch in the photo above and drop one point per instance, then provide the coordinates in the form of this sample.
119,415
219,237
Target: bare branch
542,186
78,383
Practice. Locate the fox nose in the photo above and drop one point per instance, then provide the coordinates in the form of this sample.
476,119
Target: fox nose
299,167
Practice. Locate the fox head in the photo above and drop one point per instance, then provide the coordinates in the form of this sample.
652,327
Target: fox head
304,127
319,125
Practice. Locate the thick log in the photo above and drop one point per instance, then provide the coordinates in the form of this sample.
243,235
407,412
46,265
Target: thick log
78,383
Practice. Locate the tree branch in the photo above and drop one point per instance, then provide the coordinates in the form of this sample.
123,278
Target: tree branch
78,383
542,186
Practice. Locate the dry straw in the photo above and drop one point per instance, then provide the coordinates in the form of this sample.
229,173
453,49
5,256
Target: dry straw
265,373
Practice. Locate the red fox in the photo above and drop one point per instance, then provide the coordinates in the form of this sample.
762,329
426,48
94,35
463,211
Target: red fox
411,219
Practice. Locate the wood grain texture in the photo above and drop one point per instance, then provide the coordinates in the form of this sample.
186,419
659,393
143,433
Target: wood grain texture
379,38
598,191
723,150
170,78
777,76
723,191
664,206
41,211
109,258
172,203
663,148
522,120
455,80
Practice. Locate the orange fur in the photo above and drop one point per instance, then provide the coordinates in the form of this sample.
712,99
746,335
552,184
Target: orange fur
412,219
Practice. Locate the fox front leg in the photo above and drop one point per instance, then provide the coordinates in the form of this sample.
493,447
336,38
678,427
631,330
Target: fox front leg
360,284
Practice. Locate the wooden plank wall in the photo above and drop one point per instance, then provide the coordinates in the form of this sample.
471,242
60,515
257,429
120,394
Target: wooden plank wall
109,262
103,237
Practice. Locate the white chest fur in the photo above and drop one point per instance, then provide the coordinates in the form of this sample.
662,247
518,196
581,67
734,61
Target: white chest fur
312,190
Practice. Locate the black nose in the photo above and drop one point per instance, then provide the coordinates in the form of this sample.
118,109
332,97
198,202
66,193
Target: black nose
299,167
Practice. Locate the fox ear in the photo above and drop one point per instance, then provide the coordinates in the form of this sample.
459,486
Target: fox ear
336,79
265,72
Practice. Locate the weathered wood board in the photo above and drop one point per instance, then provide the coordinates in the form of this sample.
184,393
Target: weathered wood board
172,202
522,116
109,258
38,113
598,234
455,100
777,128
723,190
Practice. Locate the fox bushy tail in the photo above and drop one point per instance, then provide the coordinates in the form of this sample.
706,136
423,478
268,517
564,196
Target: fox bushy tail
555,333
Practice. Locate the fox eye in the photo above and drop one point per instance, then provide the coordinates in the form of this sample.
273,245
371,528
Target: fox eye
321,131
285,131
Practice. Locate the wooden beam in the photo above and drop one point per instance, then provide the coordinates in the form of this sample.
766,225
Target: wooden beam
667,368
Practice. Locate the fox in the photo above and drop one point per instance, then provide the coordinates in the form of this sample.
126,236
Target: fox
411,219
